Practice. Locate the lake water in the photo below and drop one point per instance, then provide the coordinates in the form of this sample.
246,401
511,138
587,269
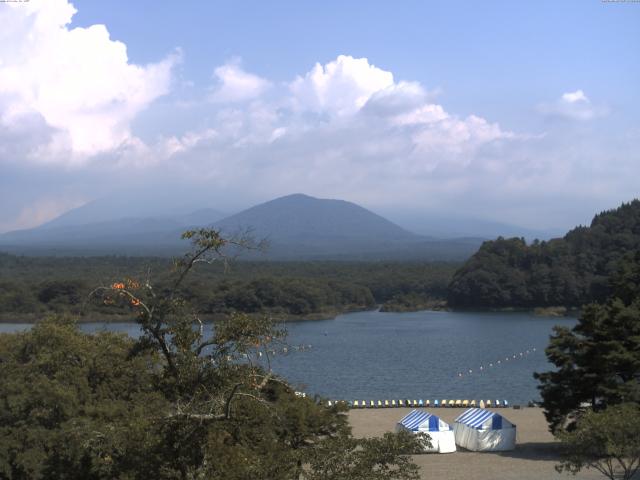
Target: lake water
375,355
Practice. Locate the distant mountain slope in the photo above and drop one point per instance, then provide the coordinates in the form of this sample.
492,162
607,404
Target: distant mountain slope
302,227
307,220
569,271
143,204
296,226
131,235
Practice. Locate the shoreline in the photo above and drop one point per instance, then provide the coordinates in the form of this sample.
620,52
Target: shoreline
559,312
30,318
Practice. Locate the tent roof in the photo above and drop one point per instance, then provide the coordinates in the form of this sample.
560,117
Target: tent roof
477,417
416,418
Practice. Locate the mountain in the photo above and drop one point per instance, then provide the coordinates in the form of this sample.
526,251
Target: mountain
307,220
300,226
296,226
568,271
74,233
127,204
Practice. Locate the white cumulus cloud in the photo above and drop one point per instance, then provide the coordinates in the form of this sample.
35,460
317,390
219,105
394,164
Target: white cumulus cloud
347,124
574,106
340,87
78,81
236,85
573,97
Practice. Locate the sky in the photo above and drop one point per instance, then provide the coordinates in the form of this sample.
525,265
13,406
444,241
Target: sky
520,112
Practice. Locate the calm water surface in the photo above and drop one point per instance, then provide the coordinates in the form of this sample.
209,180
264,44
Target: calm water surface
375,355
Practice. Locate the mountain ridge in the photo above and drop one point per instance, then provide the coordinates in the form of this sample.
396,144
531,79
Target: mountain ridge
298,226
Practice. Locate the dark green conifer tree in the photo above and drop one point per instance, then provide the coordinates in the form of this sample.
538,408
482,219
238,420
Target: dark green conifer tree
598,361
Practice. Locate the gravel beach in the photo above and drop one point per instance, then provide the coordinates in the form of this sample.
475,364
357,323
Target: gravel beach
533,459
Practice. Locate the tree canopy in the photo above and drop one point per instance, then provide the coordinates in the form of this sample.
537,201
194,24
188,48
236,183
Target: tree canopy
569,271
598,360
181,402
75,406
606,441
31,287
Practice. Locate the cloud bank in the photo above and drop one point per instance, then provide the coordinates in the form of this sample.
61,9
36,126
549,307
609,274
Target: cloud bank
346,113
72,103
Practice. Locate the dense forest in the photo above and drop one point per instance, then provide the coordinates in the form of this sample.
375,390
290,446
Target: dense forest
175,403
31,287
569,271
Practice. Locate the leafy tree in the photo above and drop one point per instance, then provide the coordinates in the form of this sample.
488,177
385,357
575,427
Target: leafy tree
607,441
347,458
75,406
183,402
67,291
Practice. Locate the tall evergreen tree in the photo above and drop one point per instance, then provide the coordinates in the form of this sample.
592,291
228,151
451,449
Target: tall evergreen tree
598,360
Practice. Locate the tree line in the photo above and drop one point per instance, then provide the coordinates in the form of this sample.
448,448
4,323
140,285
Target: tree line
31,287
569,271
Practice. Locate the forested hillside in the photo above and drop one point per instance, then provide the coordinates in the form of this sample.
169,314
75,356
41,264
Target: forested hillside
31,287
568,271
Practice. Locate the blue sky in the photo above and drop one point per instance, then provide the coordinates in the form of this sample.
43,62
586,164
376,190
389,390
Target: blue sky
525,112
478,52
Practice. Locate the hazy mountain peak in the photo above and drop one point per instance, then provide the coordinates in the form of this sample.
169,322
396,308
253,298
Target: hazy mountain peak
297,226
299,217
295,196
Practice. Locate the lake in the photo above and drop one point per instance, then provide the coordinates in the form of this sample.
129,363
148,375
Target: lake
375,355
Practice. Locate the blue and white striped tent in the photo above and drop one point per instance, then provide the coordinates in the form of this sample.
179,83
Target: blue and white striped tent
440,432
483,430
476,418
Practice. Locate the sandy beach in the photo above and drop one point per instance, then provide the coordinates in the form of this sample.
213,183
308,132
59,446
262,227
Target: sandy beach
533,459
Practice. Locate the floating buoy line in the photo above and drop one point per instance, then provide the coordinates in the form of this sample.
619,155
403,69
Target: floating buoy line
279,351
498,363
417,403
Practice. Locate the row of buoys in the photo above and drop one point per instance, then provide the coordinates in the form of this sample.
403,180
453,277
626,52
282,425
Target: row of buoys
292,348
282,351
421,403
483,368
